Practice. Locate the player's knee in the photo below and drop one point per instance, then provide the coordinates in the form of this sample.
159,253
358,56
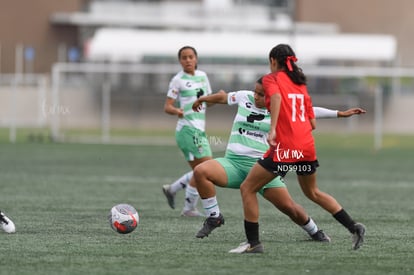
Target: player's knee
245,189
200,173
312,194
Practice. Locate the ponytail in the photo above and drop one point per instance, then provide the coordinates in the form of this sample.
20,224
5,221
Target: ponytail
286,59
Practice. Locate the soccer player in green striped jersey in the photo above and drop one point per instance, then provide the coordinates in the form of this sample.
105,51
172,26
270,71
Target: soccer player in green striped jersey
184,89
247,143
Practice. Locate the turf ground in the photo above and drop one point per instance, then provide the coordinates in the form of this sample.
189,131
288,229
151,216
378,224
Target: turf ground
59,196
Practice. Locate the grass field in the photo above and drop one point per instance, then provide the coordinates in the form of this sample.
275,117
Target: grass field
59,196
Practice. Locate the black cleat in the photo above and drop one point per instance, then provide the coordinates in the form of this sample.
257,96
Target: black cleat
169,195
358,236
209,225
321,236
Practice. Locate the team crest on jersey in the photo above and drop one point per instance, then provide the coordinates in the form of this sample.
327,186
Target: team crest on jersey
200,149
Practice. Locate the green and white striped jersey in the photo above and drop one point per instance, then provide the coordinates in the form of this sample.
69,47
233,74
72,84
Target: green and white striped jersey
250,127
185,89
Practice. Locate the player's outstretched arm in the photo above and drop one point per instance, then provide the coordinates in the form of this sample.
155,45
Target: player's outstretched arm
220,97
321,112
351,112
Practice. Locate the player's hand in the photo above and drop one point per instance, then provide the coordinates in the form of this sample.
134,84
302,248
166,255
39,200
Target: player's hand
271,137
351,112
180,113
197,106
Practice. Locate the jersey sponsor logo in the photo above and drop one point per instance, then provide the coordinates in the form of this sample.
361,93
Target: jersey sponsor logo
251,126
250,133
255,117
200,92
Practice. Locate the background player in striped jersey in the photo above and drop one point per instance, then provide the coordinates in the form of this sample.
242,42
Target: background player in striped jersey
247,143
184,88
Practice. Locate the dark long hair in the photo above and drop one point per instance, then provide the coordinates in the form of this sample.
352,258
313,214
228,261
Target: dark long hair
283,53
260,80
185,48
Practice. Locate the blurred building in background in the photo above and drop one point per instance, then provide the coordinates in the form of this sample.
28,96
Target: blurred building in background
55,31
107,63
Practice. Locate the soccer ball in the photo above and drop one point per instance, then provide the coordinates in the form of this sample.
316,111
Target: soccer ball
123,218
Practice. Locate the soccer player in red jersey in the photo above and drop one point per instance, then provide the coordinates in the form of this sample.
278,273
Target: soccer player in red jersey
291,148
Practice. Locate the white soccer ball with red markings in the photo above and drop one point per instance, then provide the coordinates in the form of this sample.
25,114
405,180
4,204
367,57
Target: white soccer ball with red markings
123,218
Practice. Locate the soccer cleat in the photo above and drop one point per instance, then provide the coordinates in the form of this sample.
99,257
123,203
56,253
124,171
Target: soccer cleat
192,213
6,224
321,236
209,225
246,248
169,195
358,236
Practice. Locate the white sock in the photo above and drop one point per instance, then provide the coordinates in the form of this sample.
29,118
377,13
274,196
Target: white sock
211,207
310,227
181,183
191,198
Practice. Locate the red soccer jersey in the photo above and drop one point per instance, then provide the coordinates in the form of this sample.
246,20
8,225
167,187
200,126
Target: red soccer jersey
294,140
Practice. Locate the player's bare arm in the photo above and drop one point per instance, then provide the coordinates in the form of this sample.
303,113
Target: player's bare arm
220,97
169,108
275,101
321,112
351,112
313,123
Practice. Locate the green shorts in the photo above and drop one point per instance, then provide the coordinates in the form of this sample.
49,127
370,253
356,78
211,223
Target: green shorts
237,170
193,143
